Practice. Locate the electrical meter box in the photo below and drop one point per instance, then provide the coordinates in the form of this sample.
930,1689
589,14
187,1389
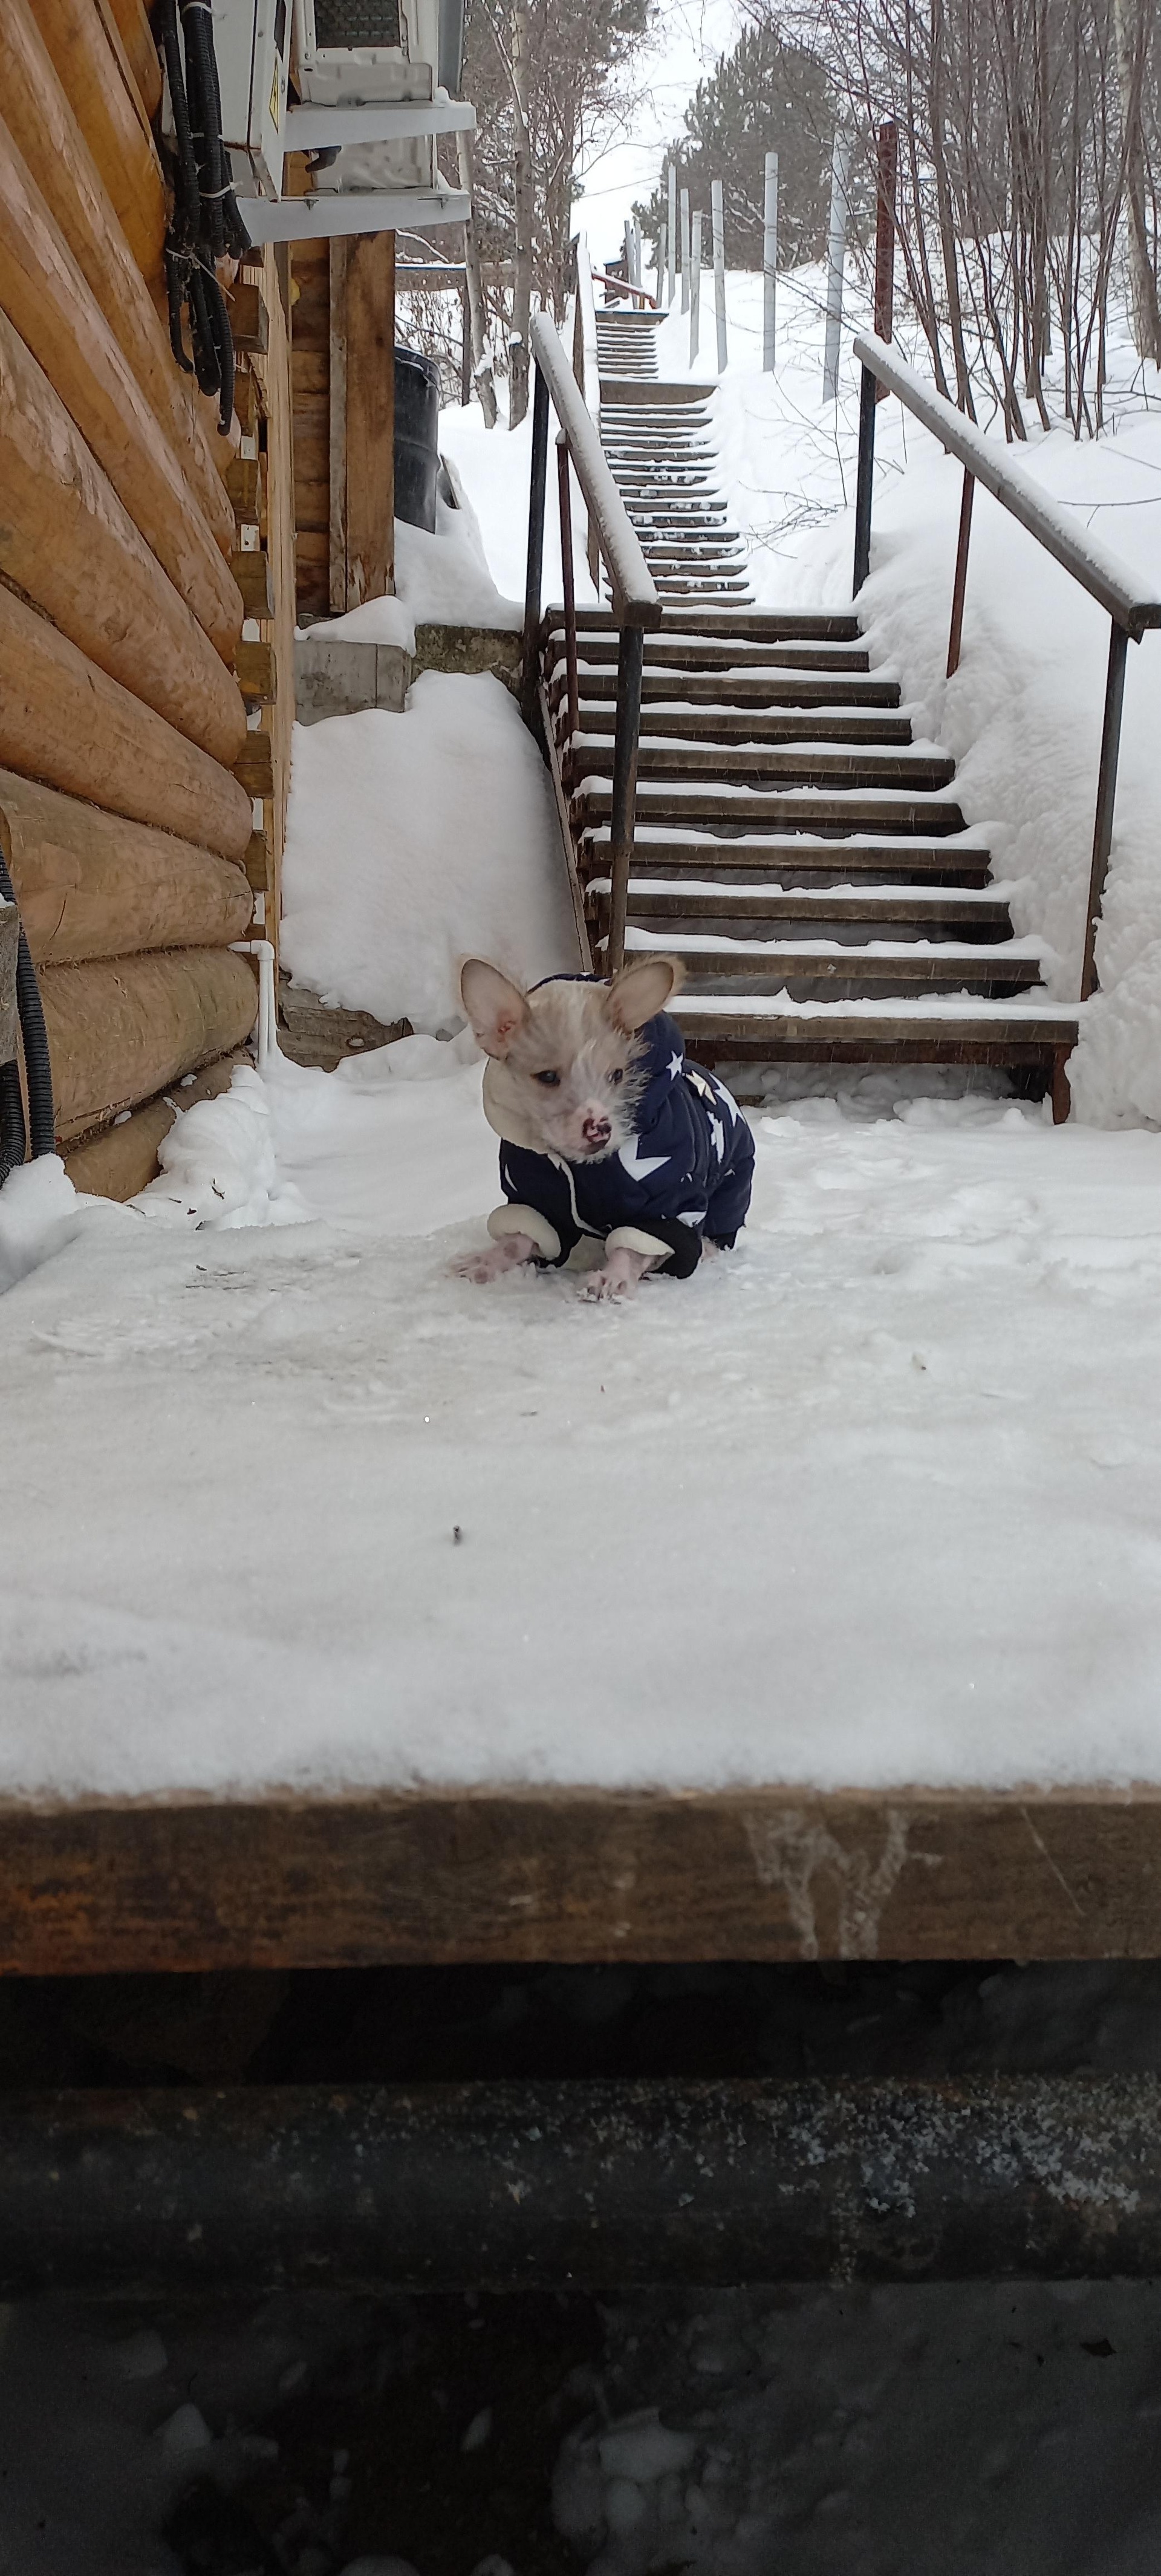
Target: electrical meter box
252,45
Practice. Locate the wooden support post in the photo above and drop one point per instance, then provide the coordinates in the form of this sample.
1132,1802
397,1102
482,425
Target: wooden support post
865,486
694,285
959,590
362,420
1106,797
769,263
719,270
836,259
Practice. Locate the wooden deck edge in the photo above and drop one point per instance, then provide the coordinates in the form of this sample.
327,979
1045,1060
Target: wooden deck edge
448,1876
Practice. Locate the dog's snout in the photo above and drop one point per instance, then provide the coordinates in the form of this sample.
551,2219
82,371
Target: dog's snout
596,1132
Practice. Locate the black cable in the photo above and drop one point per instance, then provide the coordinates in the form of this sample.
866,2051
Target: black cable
206,223
37,1066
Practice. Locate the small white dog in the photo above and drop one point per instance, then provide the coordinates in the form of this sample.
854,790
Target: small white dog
605,1130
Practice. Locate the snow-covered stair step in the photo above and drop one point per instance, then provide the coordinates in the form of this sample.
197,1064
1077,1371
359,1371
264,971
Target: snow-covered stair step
801,763
755,688
841,723
695,655
943,1028
761,625
815,968
669,905
868,810
788,859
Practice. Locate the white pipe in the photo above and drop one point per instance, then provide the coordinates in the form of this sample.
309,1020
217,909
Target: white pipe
263,950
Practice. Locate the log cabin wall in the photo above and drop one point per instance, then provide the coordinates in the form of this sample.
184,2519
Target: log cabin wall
146,599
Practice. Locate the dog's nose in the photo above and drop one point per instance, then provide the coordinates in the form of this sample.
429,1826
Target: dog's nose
596,1132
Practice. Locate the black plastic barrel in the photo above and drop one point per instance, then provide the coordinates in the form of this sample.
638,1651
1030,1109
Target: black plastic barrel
416,437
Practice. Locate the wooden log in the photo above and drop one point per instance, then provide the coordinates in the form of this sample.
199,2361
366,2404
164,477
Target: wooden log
70,544
91,884
246,402
60,163
110,118
120,1030
123,1159
251,572
46,297
257,674
131,19
64,721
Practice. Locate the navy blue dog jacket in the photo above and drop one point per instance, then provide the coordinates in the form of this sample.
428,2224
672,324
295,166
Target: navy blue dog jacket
685,1174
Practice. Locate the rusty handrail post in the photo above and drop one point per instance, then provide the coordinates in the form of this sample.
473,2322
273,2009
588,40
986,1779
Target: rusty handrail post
568,582
870,391
959,586
1102,839
630,665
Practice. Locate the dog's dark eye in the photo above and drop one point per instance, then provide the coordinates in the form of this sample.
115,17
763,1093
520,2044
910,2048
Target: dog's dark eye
618,1073
551,1081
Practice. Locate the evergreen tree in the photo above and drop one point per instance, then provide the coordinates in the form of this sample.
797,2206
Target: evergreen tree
769,95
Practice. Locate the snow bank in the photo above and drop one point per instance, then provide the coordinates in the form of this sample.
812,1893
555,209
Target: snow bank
39,1213
218,1164
440,580
414,839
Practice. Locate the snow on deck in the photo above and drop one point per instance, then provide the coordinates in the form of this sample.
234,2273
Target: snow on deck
875,1500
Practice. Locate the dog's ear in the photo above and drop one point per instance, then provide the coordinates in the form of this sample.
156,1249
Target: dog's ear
495,1007
641,990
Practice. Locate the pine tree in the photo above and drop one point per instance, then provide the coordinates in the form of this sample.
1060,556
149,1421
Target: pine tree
769,95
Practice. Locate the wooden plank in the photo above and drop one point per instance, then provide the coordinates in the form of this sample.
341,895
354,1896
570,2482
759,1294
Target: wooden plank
244,487
254,768
370,417
123,1159
111,121
64,721
251,571
273,373
50,304
62,167
249,320
448,1877
90,884
337,441
68,542
123,1027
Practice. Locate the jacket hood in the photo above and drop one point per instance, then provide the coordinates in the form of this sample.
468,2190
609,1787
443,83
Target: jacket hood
664,1049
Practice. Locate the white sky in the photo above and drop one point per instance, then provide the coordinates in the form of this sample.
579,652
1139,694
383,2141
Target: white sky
691,34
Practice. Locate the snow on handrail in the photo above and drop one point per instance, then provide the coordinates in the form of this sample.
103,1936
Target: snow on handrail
1100,571
635,600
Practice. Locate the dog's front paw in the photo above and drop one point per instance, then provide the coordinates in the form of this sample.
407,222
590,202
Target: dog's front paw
493,1259
618,1278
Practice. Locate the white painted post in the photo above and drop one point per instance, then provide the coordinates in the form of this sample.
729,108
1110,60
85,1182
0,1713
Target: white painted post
672,232
694,285
769,262
685,250
661,264
719,271
628,254
638,271
835,258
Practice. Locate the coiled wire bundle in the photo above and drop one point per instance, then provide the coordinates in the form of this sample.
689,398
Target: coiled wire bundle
206,225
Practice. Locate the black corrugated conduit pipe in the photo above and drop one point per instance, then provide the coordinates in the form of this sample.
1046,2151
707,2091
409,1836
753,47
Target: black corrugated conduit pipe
37,1066
206,225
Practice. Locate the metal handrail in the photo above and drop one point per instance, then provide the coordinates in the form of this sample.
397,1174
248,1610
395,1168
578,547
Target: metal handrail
1097,568
636,605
